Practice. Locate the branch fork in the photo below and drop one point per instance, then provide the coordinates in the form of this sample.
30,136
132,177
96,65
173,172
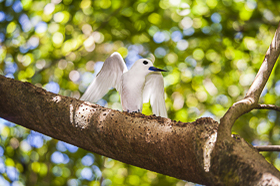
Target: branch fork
250,101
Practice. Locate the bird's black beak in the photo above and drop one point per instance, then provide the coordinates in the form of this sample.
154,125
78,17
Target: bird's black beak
156,69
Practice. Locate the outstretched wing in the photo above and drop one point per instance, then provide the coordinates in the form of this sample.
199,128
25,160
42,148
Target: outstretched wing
154,91
108,77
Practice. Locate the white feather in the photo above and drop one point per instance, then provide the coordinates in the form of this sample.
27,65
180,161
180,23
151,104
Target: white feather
108,77
135,86
154,92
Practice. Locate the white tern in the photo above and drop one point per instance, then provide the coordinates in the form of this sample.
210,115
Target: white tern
140,84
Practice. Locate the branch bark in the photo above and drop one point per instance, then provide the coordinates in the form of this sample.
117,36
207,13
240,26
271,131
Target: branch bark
149,142
268,147
183,150
268,106
251,99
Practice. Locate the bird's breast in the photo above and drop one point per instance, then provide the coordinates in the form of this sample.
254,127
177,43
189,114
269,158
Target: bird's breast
131,95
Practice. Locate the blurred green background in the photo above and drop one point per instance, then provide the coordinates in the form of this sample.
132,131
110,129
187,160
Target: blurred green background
211,48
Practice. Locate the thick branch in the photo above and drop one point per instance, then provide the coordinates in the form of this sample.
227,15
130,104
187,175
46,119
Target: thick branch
252,97
150,142
181,150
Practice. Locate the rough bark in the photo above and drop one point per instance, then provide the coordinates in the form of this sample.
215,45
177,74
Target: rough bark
268,147
181,150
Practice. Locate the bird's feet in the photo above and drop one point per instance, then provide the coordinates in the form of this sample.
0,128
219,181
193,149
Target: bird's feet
138,111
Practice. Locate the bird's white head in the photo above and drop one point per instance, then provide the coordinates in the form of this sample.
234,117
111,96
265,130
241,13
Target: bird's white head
145,66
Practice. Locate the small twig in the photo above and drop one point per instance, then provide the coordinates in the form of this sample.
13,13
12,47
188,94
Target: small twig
268,106
268,147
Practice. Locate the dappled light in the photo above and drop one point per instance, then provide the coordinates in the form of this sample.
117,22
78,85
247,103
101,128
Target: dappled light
207,149
269,179
56,99
81,117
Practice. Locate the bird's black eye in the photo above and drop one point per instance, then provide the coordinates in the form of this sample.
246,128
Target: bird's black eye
145,62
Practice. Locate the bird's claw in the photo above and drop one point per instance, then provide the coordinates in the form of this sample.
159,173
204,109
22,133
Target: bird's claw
138,111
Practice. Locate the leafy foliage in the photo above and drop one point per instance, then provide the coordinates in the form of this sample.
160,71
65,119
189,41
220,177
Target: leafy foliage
212,50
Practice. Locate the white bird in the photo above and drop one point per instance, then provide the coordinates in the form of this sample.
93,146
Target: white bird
140,84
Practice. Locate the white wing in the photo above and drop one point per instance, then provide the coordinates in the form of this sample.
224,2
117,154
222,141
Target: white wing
154,91
108,77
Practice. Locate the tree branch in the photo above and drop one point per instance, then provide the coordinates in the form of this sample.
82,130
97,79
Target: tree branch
251,99
268,106
268,147
180,150
150,142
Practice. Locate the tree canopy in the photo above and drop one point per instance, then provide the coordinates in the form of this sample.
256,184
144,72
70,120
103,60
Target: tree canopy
212,50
